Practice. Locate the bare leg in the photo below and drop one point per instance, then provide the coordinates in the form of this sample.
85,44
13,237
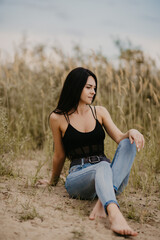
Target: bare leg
118,222
98,211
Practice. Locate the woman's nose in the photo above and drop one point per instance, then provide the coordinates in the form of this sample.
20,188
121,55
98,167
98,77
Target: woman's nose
93,91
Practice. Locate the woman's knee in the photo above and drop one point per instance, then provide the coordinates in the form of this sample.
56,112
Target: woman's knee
125,143
103,167
103,164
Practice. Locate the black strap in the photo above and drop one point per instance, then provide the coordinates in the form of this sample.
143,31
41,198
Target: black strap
67,117
94,113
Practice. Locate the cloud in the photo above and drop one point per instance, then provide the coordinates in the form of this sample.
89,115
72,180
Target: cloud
47,6
153,19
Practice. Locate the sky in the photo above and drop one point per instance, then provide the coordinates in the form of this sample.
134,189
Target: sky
93,24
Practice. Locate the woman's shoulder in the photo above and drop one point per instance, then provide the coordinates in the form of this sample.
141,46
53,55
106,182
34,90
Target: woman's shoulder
101,113
55,118
101,110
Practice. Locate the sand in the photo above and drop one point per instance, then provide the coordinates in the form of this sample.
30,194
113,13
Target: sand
31,213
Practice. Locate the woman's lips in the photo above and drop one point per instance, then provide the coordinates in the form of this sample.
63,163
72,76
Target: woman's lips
90,98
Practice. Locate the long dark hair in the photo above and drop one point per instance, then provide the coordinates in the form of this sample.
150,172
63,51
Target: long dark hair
72,89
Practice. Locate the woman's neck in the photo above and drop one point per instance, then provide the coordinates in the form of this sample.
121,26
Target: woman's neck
82,108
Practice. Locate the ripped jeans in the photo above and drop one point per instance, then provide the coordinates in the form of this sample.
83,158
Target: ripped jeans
106,180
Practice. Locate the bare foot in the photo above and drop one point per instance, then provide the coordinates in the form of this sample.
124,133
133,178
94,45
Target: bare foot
118,222
98,211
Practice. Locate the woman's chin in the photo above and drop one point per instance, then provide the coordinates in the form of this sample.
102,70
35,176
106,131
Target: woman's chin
90,100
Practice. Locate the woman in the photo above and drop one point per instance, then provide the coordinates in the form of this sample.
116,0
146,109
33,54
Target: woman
78,133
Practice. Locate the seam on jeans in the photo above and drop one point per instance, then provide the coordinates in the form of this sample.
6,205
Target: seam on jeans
116,155
107,203
115,187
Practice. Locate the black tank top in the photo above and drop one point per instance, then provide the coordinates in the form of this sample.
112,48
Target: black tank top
79,144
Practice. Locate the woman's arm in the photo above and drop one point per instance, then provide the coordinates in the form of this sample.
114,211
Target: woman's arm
59,153
115,133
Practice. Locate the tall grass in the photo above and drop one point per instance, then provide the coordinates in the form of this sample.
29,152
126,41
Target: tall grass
31,83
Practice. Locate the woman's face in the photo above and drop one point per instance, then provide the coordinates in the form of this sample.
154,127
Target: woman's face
88,91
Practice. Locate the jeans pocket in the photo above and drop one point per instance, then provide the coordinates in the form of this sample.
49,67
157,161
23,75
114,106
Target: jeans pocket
75,168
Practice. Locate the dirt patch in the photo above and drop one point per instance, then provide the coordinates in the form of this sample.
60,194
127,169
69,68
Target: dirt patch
31,213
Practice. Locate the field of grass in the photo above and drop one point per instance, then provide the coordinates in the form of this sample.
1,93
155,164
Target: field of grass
29,90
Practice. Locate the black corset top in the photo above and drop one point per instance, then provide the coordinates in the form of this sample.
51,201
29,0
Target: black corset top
79,144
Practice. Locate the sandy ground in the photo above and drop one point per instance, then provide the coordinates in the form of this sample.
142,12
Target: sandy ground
31,213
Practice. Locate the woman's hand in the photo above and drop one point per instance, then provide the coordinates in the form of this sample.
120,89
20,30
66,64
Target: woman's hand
42,183
137,137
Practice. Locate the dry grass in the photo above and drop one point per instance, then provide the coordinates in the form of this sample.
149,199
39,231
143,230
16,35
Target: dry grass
29,90
28,212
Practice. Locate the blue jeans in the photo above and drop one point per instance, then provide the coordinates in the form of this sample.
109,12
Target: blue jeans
106,180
